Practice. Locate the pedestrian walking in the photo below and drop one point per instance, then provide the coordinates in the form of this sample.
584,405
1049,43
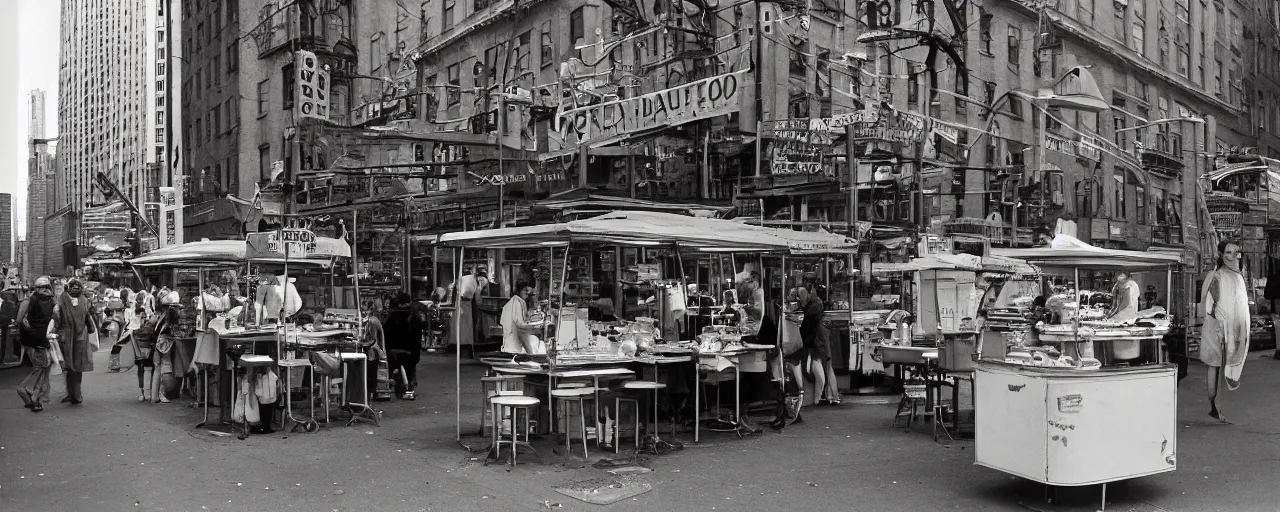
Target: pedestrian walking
1225,342
34,318
74,322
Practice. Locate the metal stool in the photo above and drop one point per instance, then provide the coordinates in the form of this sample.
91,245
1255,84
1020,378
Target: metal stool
656,387
310,424
358,410
913,395
494,385
517,404
250,364
616,431
572,396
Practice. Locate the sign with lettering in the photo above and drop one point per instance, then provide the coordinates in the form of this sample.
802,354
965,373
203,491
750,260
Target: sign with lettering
1058,144
796,158
313,87
516,177
805,130
1086,147
893,126
611,121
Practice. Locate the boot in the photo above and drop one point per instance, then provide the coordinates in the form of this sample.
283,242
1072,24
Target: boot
114,366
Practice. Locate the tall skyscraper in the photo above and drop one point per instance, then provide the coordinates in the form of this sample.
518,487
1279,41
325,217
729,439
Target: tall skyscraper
44,233
6,229
35,117
111,113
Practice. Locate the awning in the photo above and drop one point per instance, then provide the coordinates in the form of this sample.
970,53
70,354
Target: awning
652,229
1068,251
958,262
212,253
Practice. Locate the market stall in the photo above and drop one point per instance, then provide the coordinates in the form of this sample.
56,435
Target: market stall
573,344
236,315
936,340
1051,412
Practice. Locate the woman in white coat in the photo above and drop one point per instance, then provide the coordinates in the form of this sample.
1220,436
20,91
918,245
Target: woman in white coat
1224,344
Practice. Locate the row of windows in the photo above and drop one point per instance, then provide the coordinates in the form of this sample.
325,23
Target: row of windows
209,74
220,120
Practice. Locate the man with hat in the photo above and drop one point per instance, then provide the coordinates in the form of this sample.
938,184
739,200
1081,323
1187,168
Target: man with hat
74,321
34,317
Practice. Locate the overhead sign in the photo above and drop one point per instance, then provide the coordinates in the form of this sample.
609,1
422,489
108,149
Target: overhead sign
805,130
893,126
313,87
1086,147
611,121
300,243
796,158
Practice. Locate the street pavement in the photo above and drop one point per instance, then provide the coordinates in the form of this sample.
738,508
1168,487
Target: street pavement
115,454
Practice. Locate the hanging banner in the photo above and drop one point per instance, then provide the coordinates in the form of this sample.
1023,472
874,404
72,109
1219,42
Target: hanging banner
893,126
301,243
612,121
313,87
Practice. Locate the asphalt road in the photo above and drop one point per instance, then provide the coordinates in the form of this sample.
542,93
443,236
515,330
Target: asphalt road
115,454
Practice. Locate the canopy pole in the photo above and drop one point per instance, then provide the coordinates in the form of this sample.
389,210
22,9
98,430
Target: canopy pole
283,332
1168,286
199,300
782,318
551,282
355,265
459,252
564,274
684,286
1075,327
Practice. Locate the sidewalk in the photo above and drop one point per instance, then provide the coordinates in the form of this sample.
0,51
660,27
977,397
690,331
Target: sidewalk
113,453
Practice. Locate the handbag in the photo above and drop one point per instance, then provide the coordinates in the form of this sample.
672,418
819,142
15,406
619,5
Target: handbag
164,343
55,358
94,342
266,388
325,364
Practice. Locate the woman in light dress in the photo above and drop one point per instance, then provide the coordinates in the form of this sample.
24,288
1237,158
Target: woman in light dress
1225,341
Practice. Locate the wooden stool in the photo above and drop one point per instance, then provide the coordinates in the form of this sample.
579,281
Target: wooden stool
516,404
573,396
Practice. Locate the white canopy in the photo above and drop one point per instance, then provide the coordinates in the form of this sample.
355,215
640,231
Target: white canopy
958,262
652,228
1069,251
210,253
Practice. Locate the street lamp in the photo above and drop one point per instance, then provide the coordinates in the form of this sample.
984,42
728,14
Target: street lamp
1075,90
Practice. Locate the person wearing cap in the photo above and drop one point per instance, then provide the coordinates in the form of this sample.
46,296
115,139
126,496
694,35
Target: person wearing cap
34,317
74,321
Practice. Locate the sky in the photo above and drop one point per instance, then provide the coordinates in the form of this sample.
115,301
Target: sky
34,67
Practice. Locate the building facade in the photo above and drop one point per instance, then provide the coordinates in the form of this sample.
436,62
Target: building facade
242,137
111,83
6,229
40,190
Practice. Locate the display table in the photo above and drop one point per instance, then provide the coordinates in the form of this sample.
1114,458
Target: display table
1074,427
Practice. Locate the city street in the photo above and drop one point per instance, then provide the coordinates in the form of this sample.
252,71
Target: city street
113,453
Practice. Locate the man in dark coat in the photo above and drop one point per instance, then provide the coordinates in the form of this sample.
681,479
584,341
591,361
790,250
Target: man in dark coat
403,330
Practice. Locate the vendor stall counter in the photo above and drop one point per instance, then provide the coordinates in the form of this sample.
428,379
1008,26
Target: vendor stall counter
1071,427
